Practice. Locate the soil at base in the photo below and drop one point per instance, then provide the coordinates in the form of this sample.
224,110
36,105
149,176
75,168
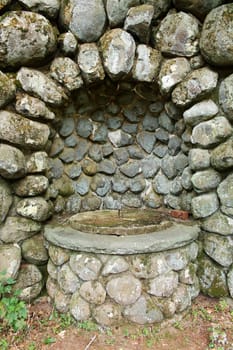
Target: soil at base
207,325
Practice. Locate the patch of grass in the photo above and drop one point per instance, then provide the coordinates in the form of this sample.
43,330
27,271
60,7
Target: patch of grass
88,326
4,344
222,306
49,340
13,311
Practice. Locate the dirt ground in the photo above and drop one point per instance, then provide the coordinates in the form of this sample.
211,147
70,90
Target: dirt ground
207,325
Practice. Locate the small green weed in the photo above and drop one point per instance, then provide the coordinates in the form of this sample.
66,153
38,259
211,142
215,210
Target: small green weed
222,306
88,326
13,311
4,344
49,340
32,346
178,325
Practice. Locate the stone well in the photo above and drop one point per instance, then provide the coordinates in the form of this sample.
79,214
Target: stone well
112,277
108,105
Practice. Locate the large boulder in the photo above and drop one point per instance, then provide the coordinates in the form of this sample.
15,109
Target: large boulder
90,63
199,8
222,156
178,34
23,132
217,35
172,72
26,38
10,258
7,89
226,96
36,208
49,8
117,10
6,199
40,85
12,162
199,83
85,18
29,282
138,22
118,50
211,132
146,66
32,107
66,72
16,229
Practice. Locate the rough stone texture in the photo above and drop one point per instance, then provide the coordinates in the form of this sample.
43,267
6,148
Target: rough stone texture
197,84
178,35
218,223
230,281
146,66
115,265
16,229
149,267
125,290
181,298
10,258
28,42
58,255
93,292
29,282
66,72
67,279
199,180
37,162
6,199
62,301
200,112
172,72
212,279
8,89
31,185
225,191
117,11
67,43
226,96
32,107
219,248
38,84
142,312
222,156
90,63
47,7
36,208
118,50
107,314
23,132
199,8
34,251
163,285
85,266
138,21
215,40
205,205
211,132
87,19
12,162
199,159
79,308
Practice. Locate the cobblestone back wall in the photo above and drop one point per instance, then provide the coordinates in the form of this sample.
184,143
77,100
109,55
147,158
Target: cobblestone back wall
107,104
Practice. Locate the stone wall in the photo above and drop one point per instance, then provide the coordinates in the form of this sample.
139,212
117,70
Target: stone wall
107,104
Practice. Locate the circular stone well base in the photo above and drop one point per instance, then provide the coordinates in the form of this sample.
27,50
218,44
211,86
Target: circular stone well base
141,278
